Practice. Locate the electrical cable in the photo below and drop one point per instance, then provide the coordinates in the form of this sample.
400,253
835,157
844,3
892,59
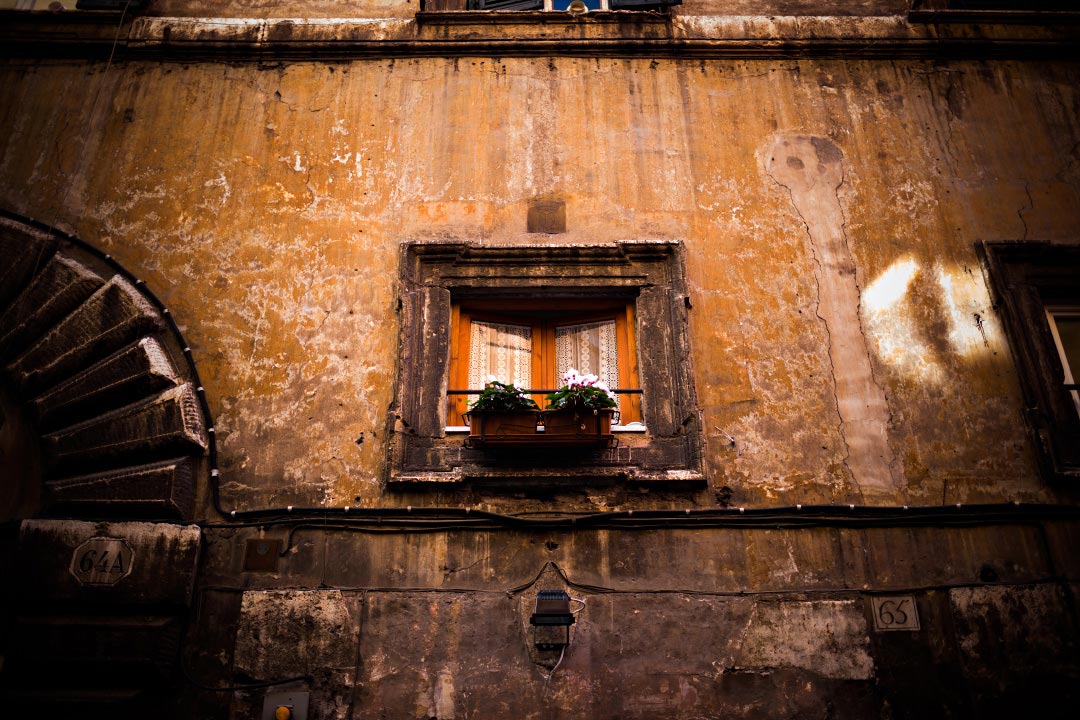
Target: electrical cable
562,654
246,686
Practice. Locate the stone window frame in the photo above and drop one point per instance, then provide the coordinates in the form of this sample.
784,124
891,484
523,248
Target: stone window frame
1027,279
650,273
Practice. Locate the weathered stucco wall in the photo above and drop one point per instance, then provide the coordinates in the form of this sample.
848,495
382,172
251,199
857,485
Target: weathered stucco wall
845,347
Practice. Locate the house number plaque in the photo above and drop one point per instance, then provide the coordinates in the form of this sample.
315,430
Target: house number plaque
894,612
102,561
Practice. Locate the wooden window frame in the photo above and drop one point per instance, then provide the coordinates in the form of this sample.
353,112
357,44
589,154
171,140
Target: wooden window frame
1070,365
543,316
645,275
1027,280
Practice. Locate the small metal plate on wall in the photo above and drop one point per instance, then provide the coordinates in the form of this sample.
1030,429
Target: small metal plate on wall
546,216
296,702
261,555
894,612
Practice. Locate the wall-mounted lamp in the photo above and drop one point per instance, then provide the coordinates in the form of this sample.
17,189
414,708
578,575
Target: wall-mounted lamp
551,620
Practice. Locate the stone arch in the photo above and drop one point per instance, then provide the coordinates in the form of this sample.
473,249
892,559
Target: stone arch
104,433
103,381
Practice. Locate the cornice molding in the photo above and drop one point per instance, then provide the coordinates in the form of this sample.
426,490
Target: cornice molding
524,34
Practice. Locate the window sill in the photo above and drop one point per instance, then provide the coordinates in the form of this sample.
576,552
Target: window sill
630,428
547,478
542,17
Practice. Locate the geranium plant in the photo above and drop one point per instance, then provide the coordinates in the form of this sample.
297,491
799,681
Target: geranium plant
502,397
581,392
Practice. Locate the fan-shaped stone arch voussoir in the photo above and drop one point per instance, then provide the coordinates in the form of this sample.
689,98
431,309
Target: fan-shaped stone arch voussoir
102,380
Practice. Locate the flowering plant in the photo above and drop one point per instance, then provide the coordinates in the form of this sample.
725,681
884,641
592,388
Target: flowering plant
581,391
502,397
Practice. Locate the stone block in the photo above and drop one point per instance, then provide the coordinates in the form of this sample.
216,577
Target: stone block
133,373
291,632
96,647
61,286
166,425
110,318
826,637
159,490
25,252
164,557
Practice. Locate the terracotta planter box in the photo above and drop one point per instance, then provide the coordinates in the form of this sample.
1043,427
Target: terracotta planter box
492,426
564,428
579,423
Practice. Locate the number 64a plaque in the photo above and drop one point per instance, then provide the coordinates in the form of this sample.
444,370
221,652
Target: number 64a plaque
102,561
894,612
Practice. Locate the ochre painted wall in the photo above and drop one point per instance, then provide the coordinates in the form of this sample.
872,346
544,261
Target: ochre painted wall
844,349
266,206
276,244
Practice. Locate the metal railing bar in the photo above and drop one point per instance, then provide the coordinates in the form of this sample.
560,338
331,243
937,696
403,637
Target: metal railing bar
534,391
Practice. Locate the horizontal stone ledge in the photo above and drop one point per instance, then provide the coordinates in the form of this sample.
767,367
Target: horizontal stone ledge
545,33
541,478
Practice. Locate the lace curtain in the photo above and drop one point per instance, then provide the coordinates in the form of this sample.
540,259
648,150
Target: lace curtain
504,351
590,348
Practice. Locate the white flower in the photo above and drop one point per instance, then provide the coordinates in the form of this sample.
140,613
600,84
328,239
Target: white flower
491,379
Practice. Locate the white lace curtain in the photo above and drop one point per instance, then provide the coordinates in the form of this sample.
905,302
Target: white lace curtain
505,351
590,348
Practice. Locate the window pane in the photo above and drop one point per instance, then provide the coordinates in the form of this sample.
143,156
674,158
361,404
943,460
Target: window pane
1066,330
563,4
1068,327
590,348
504,351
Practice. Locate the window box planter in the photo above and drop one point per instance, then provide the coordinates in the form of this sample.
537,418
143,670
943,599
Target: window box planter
571,428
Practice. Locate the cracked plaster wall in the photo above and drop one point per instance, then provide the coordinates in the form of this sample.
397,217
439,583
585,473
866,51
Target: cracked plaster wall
276,245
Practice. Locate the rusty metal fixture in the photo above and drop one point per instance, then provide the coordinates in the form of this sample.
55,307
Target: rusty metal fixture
552,611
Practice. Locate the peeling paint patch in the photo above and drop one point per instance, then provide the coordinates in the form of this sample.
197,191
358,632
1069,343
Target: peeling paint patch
811,169
313,625
828,637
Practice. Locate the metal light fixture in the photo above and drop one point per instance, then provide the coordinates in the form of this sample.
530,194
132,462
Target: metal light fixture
551,620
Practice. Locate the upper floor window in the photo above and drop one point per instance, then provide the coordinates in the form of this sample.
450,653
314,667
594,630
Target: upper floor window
1065,327
557,5
526,314
1037,290
533,343
548,5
